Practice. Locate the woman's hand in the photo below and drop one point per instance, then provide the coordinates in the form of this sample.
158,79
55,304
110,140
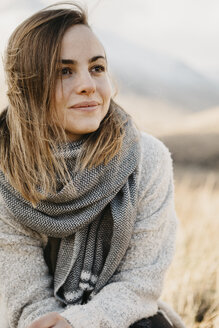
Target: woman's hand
50,320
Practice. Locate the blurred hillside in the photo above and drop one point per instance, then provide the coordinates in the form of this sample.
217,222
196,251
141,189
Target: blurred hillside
157,76
195,141
169,99
193,138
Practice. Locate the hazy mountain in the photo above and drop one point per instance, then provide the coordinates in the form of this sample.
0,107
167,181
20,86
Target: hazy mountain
195,140
159,76
206,121
194,149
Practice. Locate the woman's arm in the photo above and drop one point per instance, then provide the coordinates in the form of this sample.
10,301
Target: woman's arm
134,289
25,284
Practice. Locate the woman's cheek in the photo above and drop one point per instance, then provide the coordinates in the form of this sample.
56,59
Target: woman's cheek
106,90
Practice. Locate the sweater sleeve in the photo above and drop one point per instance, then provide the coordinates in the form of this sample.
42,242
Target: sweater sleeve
133,291
25,285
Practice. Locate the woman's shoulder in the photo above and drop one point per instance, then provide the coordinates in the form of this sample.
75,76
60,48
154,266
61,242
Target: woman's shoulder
155,161
153,151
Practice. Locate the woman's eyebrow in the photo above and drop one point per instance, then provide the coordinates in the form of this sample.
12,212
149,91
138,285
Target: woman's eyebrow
93,59
68,61
74,62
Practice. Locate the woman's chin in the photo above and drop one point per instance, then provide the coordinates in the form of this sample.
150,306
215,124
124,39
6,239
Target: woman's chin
76,135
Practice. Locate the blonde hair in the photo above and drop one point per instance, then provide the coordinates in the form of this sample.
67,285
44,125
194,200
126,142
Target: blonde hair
29,135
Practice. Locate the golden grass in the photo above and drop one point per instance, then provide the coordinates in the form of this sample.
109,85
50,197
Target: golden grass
192,283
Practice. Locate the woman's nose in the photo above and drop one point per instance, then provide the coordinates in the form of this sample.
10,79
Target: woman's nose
85,84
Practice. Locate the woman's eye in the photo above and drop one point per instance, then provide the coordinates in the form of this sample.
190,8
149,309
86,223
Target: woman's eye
66,71
98,68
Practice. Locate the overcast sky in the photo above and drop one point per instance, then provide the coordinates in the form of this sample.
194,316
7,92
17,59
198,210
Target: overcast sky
185,29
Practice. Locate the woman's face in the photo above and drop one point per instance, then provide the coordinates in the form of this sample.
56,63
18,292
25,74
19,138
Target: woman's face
83,89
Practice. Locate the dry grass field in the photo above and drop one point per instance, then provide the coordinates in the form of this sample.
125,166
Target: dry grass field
192,283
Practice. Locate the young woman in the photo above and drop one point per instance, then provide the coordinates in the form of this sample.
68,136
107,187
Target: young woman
87,212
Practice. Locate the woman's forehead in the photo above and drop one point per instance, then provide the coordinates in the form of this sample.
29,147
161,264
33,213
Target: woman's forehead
79,40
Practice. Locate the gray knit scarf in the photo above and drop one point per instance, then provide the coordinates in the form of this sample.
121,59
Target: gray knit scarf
93,215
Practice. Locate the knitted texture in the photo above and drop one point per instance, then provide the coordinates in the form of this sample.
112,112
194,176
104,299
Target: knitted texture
133,291
94,215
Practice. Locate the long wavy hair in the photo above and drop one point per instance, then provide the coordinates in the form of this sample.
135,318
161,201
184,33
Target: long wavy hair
29,136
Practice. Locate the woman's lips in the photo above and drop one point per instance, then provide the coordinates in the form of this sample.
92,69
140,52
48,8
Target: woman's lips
86,106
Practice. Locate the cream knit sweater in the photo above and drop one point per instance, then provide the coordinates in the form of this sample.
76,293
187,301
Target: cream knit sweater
133,291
